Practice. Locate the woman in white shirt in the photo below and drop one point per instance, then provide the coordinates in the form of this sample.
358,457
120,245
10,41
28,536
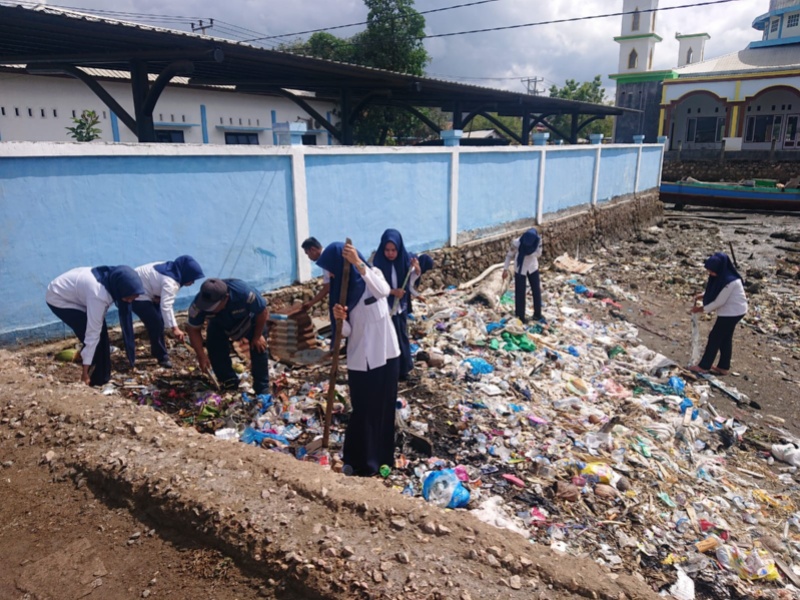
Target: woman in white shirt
526,250
81,297
724,294
372,358
162,281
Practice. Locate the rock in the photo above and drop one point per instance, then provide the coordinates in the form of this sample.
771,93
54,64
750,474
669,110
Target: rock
494,551
442,530
398,524
428,527
347,552
402,558
515,582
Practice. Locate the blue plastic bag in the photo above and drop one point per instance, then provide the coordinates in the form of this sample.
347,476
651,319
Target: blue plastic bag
479,366
251,436
444,489
677,384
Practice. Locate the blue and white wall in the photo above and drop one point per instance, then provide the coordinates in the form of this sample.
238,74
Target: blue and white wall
243,211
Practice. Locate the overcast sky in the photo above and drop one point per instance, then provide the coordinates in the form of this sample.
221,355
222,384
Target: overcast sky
555,52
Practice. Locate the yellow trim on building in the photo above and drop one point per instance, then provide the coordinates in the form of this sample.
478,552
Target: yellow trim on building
734,121
661,123
737,92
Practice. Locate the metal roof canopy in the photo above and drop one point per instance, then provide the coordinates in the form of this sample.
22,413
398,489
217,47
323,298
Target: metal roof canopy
56,41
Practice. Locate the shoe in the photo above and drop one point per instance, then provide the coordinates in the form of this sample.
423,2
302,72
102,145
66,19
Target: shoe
540,319
718,371
166,363
697,369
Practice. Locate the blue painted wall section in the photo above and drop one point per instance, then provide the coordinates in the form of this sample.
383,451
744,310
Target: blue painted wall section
234,212
496,188
618,173
114,127
204,123
362,195
231,213
568,181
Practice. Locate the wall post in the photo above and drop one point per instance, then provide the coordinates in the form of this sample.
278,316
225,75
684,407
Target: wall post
540,193
596,175
455,159
300,206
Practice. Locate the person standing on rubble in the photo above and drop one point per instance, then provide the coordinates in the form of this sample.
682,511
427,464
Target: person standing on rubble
235,311
724,294
81,298
162,281
313,250
373,359
525,251
422,264
396,266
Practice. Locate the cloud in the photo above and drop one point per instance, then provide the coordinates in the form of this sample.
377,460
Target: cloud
557,52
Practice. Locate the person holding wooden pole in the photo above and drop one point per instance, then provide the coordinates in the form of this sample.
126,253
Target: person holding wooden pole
372,357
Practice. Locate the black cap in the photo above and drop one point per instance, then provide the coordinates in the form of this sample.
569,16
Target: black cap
212,292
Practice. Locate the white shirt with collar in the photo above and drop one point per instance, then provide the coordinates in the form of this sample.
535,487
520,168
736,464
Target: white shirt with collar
78,289
730,302
530,264
372,340
157,285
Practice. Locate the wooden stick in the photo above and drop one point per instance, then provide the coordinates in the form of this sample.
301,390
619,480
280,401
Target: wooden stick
397,301
337,341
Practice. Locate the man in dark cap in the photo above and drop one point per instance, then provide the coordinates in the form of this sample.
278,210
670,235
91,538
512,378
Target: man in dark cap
235,311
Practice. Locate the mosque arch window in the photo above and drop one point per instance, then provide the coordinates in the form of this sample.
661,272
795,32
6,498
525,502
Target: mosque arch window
633,59
636,20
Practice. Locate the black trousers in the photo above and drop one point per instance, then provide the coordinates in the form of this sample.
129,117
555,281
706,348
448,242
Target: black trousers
720,339
219,354
400,322
369,439
520,294
101,362
150,315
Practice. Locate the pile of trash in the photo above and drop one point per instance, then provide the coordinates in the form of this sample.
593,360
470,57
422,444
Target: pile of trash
568,432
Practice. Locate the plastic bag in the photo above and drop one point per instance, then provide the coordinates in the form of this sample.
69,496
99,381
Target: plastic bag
786,453
251,436
443,488
479,366
749,565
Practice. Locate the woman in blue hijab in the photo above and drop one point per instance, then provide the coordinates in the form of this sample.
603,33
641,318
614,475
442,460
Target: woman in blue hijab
395,264
372,358
80,298
724,294
162,281
525,251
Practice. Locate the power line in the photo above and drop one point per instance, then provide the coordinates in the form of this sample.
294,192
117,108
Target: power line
574,19
422,12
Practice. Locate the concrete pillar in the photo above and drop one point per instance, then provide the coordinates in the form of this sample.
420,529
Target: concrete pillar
663,140
290,134
638,139
540,138
596,138
452,137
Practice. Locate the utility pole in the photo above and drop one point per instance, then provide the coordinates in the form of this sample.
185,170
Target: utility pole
532,83
202,28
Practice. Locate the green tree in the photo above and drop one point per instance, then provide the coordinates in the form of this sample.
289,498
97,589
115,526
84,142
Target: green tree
588,91
392,40
85,128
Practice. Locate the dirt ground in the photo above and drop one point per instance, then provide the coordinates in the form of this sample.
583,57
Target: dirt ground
63,537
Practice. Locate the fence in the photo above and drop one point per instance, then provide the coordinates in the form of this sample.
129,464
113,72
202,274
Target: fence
243,211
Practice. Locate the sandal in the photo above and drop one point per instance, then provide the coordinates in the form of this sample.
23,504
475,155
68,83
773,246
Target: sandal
697,369
718,371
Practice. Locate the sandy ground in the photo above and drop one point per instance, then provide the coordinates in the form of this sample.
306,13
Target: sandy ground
68,529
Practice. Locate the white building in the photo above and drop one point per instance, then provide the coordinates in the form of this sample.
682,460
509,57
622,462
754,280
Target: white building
749,98
41,107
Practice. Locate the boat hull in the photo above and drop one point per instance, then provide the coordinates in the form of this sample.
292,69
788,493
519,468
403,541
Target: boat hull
722,196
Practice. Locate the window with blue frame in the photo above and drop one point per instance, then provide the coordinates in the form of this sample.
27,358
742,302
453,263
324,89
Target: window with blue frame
793,20
169,136
240,138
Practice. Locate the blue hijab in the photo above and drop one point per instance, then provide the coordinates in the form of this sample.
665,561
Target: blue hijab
726,273
528,243
183,269
121,282
401,263
425,263
333,262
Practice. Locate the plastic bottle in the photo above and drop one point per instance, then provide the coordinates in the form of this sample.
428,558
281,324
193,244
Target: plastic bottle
443,488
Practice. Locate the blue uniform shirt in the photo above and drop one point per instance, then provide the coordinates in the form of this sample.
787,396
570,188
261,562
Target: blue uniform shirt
236,319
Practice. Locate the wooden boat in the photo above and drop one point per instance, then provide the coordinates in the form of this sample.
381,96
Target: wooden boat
759,194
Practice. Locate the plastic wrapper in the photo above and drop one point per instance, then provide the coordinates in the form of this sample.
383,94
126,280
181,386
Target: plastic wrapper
444,489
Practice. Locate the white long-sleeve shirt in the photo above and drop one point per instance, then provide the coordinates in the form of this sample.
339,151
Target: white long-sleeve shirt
372,340
157,285
730,302
79,290
530,264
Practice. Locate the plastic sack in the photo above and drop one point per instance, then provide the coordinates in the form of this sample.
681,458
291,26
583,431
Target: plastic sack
786,453
683,588
479,366
443,488
601,473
